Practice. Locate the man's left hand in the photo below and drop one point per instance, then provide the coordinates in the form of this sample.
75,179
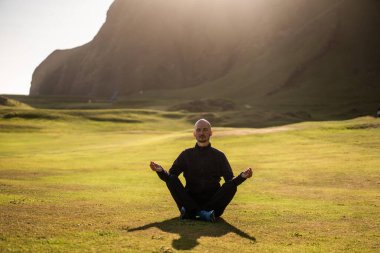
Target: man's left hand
247,173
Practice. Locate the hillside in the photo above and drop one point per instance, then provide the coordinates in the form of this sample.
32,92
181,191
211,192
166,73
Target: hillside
257,53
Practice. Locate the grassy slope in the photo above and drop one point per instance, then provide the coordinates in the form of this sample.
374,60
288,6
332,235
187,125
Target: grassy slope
77,183
325,66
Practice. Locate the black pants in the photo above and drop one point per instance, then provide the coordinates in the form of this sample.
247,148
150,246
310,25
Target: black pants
218,202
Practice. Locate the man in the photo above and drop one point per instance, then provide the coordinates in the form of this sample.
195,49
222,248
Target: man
203,166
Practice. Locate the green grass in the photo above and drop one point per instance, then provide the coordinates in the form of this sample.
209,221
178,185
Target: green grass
80,182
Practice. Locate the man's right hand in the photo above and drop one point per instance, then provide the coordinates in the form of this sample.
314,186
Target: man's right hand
156,167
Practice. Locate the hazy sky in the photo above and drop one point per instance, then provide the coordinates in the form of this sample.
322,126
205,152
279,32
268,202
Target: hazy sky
31,29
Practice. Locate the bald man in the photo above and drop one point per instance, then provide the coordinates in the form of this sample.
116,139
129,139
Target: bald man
203,167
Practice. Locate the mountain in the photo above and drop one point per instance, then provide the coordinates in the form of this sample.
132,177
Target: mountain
320,53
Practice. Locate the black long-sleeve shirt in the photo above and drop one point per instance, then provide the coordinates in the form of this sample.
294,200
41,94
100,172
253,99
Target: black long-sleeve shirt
203,168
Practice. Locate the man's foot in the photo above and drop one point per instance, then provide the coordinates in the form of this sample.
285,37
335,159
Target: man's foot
185,214
182,215
207,215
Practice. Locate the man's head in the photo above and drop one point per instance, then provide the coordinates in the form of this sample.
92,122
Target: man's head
202,132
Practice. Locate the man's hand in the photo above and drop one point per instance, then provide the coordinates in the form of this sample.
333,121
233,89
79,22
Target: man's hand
247,173
156,167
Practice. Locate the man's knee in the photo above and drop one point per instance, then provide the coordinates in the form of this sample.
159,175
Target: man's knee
218,212
172,178
173,181
230,186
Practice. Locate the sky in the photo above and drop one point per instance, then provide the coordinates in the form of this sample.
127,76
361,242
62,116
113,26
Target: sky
32,29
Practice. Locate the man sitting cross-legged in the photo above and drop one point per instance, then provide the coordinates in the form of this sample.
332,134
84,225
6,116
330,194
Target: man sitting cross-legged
203,166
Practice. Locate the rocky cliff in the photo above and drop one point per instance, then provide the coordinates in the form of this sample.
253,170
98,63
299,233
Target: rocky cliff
240,48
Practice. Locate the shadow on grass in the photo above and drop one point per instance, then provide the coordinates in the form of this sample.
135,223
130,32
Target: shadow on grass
190,231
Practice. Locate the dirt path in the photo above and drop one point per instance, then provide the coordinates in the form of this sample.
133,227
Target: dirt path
248,131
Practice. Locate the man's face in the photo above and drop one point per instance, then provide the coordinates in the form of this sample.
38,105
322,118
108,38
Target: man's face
202,132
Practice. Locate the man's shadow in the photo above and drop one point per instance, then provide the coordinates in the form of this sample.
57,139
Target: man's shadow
190,231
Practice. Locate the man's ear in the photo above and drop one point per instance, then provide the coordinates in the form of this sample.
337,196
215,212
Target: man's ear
210,132
194,133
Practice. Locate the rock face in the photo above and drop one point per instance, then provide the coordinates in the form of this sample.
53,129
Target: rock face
170,44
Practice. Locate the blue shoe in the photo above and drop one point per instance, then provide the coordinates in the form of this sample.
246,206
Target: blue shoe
182,215
207,215
185,214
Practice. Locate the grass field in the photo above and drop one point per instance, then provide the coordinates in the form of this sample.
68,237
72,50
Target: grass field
78,181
